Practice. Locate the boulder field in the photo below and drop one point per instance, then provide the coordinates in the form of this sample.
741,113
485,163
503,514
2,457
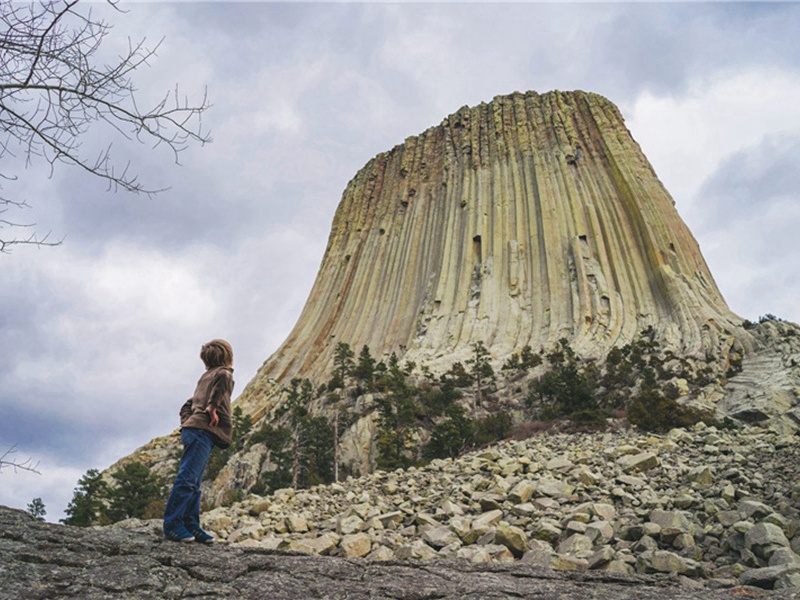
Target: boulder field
708,506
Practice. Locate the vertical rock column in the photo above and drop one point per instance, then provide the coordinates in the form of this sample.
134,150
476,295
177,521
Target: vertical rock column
518,222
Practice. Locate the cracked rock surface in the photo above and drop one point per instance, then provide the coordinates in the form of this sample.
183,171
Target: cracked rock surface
44,560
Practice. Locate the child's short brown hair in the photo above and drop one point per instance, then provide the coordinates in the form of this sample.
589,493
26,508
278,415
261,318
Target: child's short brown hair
216,353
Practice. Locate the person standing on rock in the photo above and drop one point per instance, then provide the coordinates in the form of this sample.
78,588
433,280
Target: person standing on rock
205,422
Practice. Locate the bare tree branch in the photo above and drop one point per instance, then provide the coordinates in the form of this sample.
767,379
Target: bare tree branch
8,460
54,90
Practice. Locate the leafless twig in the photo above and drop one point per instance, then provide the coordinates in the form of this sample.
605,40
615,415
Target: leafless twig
54,90
8,460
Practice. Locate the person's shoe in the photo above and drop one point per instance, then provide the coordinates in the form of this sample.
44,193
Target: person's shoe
202,537
179,535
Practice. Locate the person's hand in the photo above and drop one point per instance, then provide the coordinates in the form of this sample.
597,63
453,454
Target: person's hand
212,415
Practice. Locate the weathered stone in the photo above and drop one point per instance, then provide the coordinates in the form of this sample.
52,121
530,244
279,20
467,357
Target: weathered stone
685,500
645,543
525,509
357,446
574,526
391,520
554,488
460,526
449,154
487,519
650,528
361,498
600,532
522,492
301,546
296,524
727,517
766,577
601,557
588,477
250,531
790,580
764,538
752,509
664,561
417,550
780,521
499,553
559,463
349,525
545,504
742,526
631,481
672,523
490,502
475,554
259,507
568,563
638,462
682,541
546,531
511,537
439,537
576,545
426,520
450,509
355,545
539,553
607,512
783,556
216,521
381,553
324,544
728,493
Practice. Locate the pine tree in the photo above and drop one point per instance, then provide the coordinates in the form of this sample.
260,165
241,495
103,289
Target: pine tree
36,509
364,370
396,417
335,401
452,436
137,493
300,394
278,442
342,365
457,376
481,371
87,506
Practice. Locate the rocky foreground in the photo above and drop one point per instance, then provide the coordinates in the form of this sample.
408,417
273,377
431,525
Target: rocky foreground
708,507
44,561
699,514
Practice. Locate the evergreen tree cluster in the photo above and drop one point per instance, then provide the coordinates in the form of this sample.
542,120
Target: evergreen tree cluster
135,493
634,380
302,439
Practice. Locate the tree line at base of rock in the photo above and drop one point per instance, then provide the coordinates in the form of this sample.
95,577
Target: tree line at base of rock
421,416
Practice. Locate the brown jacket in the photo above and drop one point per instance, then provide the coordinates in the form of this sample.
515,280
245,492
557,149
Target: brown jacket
214,388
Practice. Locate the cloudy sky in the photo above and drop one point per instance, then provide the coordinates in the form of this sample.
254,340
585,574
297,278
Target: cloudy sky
100,335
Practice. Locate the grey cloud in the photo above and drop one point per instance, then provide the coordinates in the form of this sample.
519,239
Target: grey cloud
664,47
752,182
749,212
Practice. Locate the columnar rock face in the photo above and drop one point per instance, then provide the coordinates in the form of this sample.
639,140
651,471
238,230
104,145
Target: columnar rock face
518,222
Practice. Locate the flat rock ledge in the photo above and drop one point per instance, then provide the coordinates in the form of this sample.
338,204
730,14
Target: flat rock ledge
45,560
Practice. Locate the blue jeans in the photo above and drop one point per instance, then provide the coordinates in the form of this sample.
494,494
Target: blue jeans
183,506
